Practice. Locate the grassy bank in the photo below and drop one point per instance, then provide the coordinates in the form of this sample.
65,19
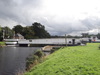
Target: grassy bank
77,60
2,43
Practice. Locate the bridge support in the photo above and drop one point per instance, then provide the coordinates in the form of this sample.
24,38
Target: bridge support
24,45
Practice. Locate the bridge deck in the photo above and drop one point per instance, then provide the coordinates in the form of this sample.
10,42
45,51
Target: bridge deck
48,41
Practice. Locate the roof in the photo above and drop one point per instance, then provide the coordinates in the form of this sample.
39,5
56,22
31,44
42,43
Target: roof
18,35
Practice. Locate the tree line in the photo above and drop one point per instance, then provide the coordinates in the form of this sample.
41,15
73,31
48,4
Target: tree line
36,30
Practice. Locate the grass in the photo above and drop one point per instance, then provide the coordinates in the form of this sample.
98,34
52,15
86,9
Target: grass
2,43
76,60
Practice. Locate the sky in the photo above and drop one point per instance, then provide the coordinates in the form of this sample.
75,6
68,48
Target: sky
58,16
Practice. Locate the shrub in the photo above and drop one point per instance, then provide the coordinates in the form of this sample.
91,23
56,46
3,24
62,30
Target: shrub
34,59
30,61
39,53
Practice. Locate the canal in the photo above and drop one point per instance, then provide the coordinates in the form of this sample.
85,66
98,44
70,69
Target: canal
13,59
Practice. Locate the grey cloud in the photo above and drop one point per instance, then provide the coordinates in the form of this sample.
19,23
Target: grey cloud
14,10
84,25
91,22
78,26
28,11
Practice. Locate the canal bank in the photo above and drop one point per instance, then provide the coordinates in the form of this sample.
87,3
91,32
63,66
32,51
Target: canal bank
2,44
76,60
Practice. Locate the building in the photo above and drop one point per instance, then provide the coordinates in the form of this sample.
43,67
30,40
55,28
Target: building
18,36
94,38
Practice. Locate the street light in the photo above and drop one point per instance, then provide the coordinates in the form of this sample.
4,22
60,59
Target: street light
3,34
65,39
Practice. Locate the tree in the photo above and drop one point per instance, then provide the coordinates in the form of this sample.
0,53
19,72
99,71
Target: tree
28,33
39,30
98,35
18,29
8,33
1,34
85,35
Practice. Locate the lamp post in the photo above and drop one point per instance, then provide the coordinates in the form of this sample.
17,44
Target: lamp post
65,40
3,34
14,35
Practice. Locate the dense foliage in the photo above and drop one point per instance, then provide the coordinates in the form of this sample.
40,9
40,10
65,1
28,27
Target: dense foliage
36,30
76,60
1,34
40,30
6,32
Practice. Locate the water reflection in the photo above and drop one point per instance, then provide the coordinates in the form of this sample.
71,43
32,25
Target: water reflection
12,59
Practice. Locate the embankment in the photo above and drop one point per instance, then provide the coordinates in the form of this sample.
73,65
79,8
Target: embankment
2,44
76,60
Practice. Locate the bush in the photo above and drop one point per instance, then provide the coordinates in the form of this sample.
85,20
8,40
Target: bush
30,61
34,59
39,53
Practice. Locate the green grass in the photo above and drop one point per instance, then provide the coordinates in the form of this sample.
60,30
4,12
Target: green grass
77,60
2,43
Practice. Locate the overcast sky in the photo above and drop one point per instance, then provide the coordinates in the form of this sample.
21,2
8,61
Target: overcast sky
58,16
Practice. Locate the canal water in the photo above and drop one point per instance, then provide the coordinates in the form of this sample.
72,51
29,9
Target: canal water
13,59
